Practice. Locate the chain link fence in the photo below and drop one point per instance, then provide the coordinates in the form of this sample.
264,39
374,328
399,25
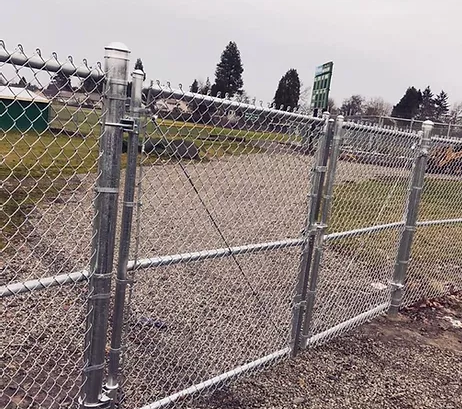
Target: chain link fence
50,133
157,243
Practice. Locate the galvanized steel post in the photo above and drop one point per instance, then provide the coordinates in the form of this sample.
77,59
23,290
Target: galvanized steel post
407,235
103,243
125,236
317,181
321,228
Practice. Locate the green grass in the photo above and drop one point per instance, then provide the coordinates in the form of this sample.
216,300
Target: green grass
85,121
358,205
380,201
191,130
33,155
80,121
37,166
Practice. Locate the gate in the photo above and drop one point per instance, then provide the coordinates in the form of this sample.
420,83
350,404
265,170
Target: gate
216,243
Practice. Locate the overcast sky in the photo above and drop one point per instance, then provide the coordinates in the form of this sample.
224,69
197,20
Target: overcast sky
379,47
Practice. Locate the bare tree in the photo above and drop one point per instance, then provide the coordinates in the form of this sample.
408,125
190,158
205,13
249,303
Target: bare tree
456,113
304,101
331,106
377,107
353,105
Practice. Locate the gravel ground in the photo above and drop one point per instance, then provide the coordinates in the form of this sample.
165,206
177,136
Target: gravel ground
188,322
412,361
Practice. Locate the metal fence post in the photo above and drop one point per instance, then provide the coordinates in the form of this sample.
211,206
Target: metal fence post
321,228
317,181
103,243
125,236
407,235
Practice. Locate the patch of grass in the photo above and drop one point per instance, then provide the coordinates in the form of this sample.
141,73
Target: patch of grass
362,204
191,130
36,168
75,120
36,155
358,205
86,121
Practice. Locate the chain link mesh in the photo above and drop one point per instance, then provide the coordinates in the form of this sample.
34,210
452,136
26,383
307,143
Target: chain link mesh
222,199
214,175
370,190
435,268
49,130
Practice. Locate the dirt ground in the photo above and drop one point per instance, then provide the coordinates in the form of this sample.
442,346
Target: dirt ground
412,361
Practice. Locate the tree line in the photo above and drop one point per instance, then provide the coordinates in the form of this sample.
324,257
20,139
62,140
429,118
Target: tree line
229,82
415,104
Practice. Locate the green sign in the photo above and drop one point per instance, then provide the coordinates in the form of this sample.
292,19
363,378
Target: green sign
321,86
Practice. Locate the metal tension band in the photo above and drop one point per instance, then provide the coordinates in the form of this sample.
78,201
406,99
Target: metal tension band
116,81
100,296
93,368
129,204
124,281
114,97
113,190
97,276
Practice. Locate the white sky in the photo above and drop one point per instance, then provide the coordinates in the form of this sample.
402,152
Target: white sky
379,47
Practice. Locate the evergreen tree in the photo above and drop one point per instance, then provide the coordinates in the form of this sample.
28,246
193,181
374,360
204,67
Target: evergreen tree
427,108
288,92
228,75
441,106
409,105
194,87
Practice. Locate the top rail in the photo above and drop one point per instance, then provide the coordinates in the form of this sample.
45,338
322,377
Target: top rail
166,93
350,126
51,65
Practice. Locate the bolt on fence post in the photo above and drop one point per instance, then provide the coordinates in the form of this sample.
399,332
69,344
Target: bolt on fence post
105,221
317,181
324,217
125,236
407,235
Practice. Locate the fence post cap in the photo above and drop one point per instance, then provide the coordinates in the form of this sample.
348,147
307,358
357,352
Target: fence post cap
117,46
428,124
118,51
138,73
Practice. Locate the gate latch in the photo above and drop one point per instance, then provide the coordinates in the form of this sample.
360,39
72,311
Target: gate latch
127,124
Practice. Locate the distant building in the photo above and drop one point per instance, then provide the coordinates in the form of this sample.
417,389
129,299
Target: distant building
75,98
171,106
23,109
